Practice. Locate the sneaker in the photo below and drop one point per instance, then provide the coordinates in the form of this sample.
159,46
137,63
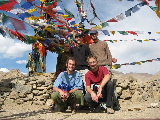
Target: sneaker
109,110
52,106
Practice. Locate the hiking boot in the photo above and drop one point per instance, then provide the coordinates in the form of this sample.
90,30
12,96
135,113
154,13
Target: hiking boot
109,110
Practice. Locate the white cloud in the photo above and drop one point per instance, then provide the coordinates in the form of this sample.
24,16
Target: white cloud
21,61
11,48
4,70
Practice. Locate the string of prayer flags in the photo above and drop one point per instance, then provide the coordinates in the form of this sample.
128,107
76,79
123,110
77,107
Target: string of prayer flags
128,12
116,66
112,41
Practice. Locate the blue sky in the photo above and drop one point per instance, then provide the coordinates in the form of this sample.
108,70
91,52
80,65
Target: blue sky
14,53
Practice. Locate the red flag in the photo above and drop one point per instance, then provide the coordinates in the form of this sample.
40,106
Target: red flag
112,20
131,32
18,24
19,35
8,6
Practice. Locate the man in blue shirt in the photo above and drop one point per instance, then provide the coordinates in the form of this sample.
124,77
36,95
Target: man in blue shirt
68,88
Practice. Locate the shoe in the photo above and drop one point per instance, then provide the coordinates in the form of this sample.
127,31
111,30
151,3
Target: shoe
64,109
73,108
109,110
52,107
95,109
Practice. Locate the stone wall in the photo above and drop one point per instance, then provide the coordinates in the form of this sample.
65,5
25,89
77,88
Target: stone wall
18,88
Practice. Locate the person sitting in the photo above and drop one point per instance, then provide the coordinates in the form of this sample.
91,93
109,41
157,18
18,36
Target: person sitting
100,77
67,88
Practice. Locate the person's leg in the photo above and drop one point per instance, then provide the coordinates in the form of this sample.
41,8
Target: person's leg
89,101
107,93
75,98
55,96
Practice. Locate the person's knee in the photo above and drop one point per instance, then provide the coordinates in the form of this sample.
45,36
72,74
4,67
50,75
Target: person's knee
110,83
54,95
87,97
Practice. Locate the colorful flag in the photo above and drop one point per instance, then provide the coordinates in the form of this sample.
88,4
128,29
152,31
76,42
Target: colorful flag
8,6
18,25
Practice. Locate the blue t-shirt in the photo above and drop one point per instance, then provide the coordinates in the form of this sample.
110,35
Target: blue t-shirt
74,80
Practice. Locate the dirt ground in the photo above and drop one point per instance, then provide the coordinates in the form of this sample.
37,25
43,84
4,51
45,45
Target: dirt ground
25,111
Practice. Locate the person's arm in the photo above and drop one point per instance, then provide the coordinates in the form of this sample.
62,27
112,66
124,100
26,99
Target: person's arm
73,90
103,83
93,94
88,52
109,56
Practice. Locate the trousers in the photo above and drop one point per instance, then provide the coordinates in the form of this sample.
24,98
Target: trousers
107,93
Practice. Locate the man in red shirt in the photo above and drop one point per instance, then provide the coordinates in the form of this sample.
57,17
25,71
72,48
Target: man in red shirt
100,77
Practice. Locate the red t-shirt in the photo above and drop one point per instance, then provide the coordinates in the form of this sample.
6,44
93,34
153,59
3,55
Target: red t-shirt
96,77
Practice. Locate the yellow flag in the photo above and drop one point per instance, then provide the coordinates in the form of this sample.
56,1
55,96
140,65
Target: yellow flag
158,13
33,18
49,29
115,40
139,63
75,25
113,32
37,37
32,10
43,1
114,67
64,16
97,27
158,32
157,2
146,40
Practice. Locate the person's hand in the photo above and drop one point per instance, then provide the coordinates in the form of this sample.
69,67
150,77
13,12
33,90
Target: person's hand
99,94
114,60
64,96
94,97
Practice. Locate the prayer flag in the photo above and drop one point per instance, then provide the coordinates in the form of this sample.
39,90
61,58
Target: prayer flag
18,25
26,5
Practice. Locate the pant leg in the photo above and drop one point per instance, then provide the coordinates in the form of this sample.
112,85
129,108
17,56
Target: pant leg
89,100
107,93
55,96
76,97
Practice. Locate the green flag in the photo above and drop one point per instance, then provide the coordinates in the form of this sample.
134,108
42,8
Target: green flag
68,13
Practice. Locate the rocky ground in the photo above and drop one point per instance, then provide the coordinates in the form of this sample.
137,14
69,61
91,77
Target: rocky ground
28,97
25,111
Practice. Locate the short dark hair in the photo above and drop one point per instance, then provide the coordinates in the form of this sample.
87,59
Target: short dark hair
71,58
91,56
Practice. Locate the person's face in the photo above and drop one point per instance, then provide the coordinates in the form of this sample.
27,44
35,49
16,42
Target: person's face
94,36
71,65
92,62
79,39
66,47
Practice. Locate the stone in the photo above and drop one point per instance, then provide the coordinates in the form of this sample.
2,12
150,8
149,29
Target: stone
14,95
35,92
119,90
22,94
